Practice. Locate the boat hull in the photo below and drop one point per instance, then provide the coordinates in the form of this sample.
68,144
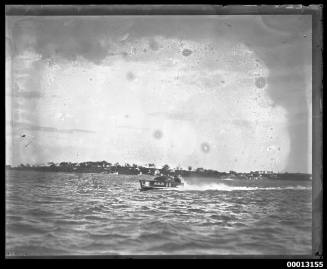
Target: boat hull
152,184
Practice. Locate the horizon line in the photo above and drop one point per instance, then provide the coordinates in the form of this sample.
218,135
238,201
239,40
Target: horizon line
156,166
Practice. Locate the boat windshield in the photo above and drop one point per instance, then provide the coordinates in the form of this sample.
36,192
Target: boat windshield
161,178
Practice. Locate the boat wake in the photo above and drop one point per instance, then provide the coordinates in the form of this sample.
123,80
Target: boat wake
224,187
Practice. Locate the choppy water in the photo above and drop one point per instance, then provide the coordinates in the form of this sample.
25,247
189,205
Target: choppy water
100,214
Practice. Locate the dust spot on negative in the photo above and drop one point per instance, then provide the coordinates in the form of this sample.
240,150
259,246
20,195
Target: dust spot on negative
186,52
130,76
260,82
153,44
157,134
205,147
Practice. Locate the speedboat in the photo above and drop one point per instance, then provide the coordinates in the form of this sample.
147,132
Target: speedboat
160,182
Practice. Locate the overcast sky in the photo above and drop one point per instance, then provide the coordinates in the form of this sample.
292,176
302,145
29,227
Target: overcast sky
220,92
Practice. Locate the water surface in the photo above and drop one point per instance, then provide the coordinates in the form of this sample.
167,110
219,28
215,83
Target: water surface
101,214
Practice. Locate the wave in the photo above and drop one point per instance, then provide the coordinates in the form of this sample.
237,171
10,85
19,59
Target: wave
224,187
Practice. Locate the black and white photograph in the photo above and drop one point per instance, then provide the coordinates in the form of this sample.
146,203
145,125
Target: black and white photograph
158,134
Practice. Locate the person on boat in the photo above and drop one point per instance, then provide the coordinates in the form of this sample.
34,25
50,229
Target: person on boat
177,179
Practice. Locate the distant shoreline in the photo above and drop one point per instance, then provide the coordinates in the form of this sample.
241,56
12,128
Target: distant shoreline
152,171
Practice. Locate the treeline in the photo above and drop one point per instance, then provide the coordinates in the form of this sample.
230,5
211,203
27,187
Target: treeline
126,169
151,169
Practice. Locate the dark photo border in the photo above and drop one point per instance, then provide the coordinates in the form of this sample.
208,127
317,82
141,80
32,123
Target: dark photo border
317,85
